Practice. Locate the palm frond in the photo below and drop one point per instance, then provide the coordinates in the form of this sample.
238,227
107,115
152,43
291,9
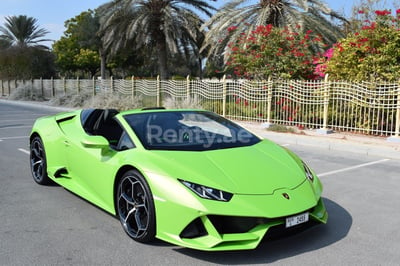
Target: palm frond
244,16
170,27
23,31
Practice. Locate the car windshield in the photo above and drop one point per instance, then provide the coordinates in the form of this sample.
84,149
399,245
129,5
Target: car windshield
188,130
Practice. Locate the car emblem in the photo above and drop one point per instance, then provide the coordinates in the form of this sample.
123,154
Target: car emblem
286,196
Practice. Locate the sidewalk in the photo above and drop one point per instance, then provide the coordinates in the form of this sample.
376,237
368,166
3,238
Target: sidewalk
342,141
36,104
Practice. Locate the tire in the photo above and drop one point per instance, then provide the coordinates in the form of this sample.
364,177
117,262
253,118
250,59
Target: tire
135,207
38,162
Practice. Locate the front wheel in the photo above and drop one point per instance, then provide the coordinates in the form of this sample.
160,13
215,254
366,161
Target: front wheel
135,207
38,162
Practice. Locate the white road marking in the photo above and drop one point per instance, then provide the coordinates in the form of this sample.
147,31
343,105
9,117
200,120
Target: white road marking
285,145
16,137
17,120
352,167
18,113
24,151
15,127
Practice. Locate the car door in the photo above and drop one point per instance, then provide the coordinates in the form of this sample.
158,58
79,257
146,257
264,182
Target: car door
91,164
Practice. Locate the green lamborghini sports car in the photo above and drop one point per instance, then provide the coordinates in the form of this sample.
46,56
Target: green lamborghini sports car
188,177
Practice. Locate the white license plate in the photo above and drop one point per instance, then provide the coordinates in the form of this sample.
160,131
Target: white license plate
295,220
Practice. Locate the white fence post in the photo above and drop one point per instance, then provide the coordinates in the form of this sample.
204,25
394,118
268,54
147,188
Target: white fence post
133,88
397,131
396,137
52,88
269,103
158,91
188,87
94,86
78,85
31,91
111,84
324,130
224,95
64,86
41,86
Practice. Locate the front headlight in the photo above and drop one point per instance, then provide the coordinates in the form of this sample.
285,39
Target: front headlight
207,192
307,169
308,172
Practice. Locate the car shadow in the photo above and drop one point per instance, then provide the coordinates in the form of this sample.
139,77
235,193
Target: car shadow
269,251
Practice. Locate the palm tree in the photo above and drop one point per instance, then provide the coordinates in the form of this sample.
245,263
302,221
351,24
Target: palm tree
170,26
308,14
22,31
4,44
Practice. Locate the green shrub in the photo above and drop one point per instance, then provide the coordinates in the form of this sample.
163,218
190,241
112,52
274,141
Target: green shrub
281,128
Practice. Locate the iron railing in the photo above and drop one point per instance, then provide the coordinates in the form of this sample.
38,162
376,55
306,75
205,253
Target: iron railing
363,107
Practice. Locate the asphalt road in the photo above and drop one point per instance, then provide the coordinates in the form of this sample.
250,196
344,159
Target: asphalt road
50,226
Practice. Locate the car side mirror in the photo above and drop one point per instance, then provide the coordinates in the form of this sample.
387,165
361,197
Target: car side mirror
95,142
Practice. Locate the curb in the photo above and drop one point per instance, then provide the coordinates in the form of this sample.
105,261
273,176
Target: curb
347,142
38,105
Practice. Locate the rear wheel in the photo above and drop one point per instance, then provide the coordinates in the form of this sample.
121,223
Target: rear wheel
135,207
38,162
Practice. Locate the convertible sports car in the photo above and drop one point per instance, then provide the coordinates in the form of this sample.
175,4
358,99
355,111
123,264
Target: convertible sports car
188,177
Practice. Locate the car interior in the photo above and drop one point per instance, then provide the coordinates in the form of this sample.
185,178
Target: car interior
101,122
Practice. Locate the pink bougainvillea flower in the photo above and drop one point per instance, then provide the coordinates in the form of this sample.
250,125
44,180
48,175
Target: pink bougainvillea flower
329,53
232,28
382,12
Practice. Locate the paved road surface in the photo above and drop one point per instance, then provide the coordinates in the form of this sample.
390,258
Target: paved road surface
51,226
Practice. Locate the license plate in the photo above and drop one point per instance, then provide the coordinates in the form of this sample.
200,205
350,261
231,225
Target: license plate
295,220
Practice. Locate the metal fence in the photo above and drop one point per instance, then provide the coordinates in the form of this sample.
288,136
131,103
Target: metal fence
367,108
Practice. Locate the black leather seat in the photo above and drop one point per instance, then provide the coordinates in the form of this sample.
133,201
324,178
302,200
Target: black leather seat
107,126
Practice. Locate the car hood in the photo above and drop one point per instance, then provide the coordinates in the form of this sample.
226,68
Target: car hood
258,169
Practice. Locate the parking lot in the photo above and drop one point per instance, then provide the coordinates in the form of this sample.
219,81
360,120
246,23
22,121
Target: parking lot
50,226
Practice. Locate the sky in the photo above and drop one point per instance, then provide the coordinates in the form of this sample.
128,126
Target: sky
51,14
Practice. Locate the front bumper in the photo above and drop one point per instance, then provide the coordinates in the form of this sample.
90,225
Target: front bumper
215,239
236,225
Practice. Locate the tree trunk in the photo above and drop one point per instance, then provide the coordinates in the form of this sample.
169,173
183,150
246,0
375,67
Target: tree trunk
200,67
102,64
162,58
